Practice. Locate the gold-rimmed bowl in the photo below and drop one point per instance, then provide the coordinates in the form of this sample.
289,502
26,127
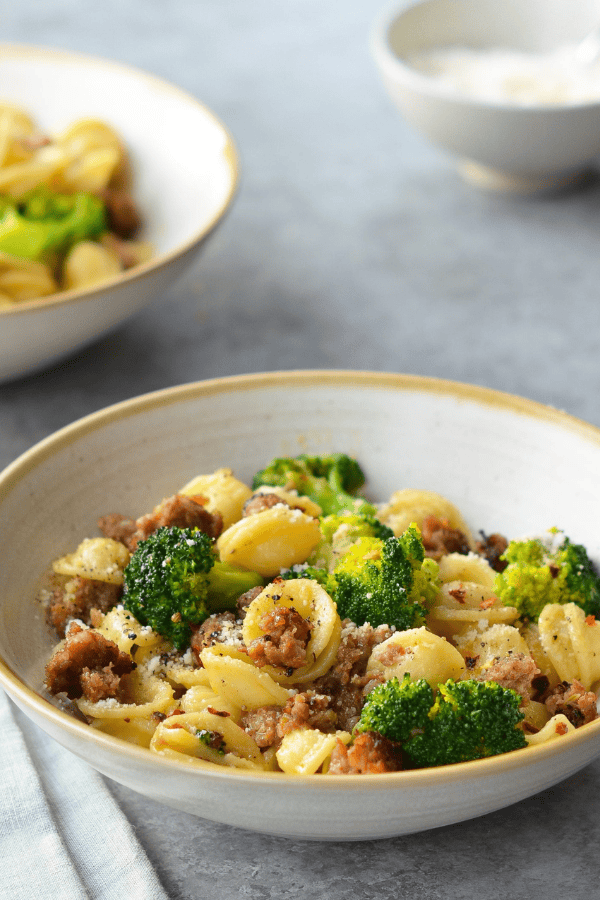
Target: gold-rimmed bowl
509,464
184,173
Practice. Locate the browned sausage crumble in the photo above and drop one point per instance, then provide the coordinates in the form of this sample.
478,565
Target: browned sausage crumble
88,665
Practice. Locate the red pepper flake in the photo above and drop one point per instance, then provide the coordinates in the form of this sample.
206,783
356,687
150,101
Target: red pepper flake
217,712
561,728
487,603
590,620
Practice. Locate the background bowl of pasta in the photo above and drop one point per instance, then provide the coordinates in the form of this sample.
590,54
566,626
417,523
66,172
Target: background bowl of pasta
492,456
111,180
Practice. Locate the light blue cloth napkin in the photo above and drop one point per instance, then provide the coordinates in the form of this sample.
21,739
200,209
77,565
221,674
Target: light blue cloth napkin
62,836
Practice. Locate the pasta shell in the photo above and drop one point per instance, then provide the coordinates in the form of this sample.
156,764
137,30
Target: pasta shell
267,542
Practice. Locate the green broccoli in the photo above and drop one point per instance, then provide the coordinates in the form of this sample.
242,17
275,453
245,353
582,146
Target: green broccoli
467,720
43,222
547,571
396,708
331,481
386,581
175,580
340,531
314,573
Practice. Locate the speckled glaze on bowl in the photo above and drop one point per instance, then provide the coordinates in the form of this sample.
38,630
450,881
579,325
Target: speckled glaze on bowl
509,464
185,174
498,146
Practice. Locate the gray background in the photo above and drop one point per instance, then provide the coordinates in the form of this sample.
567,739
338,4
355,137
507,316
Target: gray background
352,244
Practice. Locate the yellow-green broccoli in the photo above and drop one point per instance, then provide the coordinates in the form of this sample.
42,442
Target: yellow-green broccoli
386,581
541,571
43,222
340,532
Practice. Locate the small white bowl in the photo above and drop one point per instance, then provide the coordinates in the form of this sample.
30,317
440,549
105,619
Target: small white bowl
499,145
185,173
509,464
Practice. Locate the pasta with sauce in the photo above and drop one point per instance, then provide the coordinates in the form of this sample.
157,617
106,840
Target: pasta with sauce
277,679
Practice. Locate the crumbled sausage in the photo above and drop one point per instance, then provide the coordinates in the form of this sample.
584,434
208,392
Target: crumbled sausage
370,753
123,216
88,664
439,538
517,672
261,724
88,596
573,701
307,709
177,511
182,512
285,638
246,599
118,528
222,628
346,683
492,547
261,501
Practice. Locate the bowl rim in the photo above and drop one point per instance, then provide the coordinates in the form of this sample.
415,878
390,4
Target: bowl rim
28,698
390,62
161,260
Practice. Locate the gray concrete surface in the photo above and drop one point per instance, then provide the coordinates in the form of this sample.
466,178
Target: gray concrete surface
352,244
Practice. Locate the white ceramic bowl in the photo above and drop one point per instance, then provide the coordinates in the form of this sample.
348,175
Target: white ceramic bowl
509,464
185,173
498,145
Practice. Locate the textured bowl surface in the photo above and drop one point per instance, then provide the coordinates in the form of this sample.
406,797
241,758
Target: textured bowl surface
509,464
185,173
499,144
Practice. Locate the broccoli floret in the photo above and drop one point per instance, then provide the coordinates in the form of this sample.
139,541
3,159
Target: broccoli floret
43,222
396,708
339,532
314,573
469,720
331,481
547,571
386,582
175,580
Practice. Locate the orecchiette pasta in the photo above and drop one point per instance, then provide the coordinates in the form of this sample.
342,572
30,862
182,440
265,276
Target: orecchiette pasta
410,505
419,653
572,642
470,567
463,605
497,641
272,678
189,736
101,559
233,677
303,752
269,541
223,492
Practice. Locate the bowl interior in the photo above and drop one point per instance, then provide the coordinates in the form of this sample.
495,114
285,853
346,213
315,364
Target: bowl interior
527,25
181,154
509,466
